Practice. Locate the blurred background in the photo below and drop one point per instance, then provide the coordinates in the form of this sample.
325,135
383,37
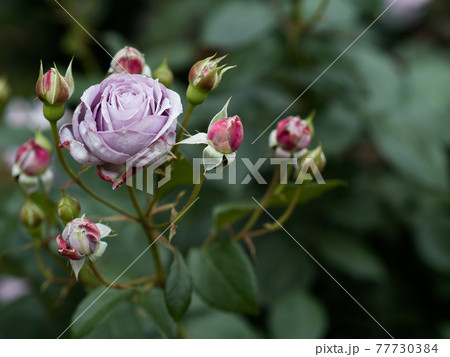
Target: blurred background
382,117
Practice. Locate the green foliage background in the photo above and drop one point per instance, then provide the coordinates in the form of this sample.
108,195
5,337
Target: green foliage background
382,117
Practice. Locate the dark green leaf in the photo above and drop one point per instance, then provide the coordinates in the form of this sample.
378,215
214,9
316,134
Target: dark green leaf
308,192
297,315
224,277
352,257
154,305
228,213
94,307
178,288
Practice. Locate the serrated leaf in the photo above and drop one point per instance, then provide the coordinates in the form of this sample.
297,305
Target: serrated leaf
154,305
224,277
90,312
178,288
297,315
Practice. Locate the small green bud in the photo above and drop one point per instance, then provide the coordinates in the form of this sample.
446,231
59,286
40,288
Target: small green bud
164,74
31,215
68,208
5,92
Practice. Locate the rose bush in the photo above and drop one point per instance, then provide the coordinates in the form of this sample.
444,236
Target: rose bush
124,119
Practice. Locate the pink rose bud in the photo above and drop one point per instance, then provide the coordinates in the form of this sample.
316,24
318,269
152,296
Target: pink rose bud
129,60
32,159
293,134
204,77
79,239
82,238
225,135
52,88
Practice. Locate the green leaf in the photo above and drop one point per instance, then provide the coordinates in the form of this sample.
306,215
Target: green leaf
219,324
181,174
308,192
352,258
238,23
122,322
178,288
297,315
228,213
154,305
224,277
90,311
432,232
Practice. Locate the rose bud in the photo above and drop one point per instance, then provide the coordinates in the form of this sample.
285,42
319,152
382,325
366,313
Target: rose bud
163,74
226,134
82,238
31,215
5,93
54,91
293,134
32,159
68,207
129,60
204,77
317,156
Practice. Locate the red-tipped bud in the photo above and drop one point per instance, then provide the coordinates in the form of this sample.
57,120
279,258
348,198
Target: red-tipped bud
204,77
225,135
54,89
130,60
32,159
293,134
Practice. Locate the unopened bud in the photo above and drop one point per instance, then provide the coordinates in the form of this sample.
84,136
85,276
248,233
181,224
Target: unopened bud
32,159
225,135
5,92
204,76
293,134
31,215
68,208
317,156
163,74
54,91
129,60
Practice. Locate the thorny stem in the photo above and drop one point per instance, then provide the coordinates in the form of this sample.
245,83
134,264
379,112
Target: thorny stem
77,179
258,211
148,232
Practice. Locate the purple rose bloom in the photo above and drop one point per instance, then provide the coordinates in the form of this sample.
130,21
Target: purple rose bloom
126,121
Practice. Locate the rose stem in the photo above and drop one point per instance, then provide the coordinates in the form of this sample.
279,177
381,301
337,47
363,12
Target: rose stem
258,211
187,116
191,199
283,218
77,179
148,232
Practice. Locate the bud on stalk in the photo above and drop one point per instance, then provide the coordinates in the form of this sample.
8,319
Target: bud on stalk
226,135
54,91
31,215
129,60
32,159
163,74
204,77
68,208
